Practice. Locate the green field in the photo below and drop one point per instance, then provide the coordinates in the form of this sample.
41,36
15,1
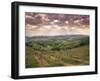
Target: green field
52,53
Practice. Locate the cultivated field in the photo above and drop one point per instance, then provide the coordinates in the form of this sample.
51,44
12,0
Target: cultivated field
57,51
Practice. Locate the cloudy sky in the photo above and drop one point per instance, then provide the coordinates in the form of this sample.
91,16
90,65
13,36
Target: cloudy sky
51,24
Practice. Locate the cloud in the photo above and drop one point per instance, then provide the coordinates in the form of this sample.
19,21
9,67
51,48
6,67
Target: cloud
37,24
48,30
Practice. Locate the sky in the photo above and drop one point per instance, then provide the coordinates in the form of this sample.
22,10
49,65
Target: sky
51,24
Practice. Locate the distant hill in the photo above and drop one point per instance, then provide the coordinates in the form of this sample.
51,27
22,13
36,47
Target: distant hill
61,37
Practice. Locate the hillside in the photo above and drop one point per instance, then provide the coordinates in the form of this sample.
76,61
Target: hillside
57,51
61,37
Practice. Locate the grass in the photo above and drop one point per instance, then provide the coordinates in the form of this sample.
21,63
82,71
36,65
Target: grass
57,53
30,61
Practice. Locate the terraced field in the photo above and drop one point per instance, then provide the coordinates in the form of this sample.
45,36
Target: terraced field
57,53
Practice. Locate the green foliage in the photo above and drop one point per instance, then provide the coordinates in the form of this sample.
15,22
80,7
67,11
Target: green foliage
57,44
